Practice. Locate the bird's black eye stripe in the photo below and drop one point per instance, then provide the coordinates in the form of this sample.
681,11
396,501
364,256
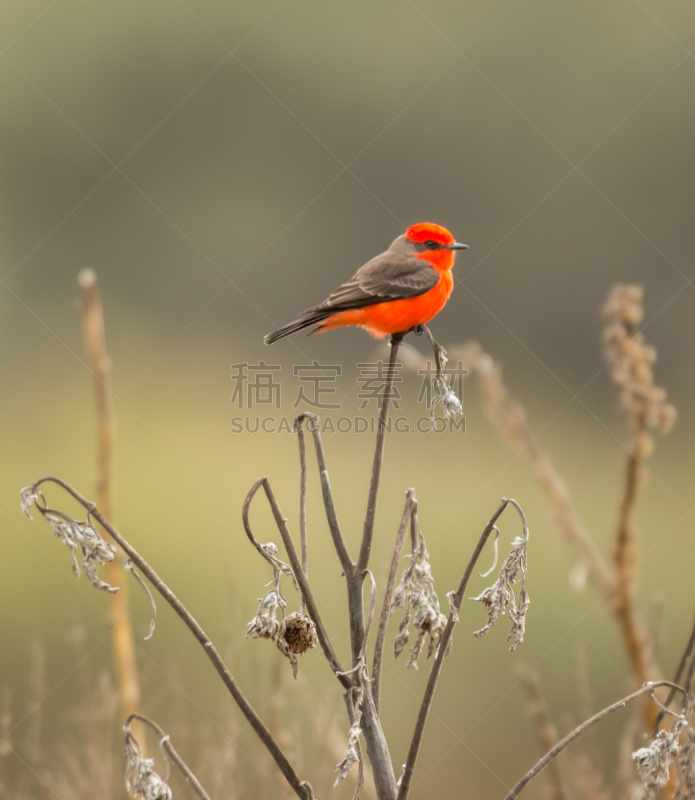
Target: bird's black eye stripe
430,244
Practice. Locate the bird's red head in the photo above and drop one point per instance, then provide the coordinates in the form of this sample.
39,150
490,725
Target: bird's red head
429,231
434,244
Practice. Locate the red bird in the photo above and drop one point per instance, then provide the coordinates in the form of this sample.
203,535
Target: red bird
393,293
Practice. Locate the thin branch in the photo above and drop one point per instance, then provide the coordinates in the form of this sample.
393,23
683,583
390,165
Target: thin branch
377,747
622,597
333,525
456,601
166,744
246,708
545,730
122,638
687,654
302,505
366,546
647,689
408,512
299,575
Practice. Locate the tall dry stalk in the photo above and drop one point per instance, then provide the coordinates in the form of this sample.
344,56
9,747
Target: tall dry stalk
631,360
125,661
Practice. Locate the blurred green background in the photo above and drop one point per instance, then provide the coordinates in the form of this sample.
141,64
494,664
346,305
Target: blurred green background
223,166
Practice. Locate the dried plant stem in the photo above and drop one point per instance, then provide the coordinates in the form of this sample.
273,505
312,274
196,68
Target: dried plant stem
377,748
622,597
438,350
127,680
175,757
302,505
409,513
647,689
443,646
545,730
366,546
333,525
300,577
301,788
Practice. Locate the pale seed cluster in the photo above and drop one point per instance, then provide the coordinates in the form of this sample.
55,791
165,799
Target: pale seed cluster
631,362
416,592
653,762
140,777
497,597
83,535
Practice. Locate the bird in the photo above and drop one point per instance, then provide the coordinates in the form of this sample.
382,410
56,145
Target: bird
397,292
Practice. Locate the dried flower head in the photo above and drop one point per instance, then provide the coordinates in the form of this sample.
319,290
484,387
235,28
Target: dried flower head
140,777
300,633
497,597
652,762
631,361
83,535
266,625
442,394
416,592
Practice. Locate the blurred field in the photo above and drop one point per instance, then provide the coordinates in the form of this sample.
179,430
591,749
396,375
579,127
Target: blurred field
218,193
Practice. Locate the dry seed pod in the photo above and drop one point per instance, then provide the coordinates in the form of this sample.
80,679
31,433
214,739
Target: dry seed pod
300,633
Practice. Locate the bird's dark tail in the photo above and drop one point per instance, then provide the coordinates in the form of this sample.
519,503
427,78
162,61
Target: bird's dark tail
311,318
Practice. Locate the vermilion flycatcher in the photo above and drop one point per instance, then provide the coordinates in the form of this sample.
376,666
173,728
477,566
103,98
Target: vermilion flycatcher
394,292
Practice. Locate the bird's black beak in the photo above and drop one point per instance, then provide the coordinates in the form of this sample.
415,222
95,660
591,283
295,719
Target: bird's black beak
457,246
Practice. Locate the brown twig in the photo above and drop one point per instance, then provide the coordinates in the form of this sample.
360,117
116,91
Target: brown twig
622,597
647,689
301,788
630,360
456,601
166,744
124,655
408,513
